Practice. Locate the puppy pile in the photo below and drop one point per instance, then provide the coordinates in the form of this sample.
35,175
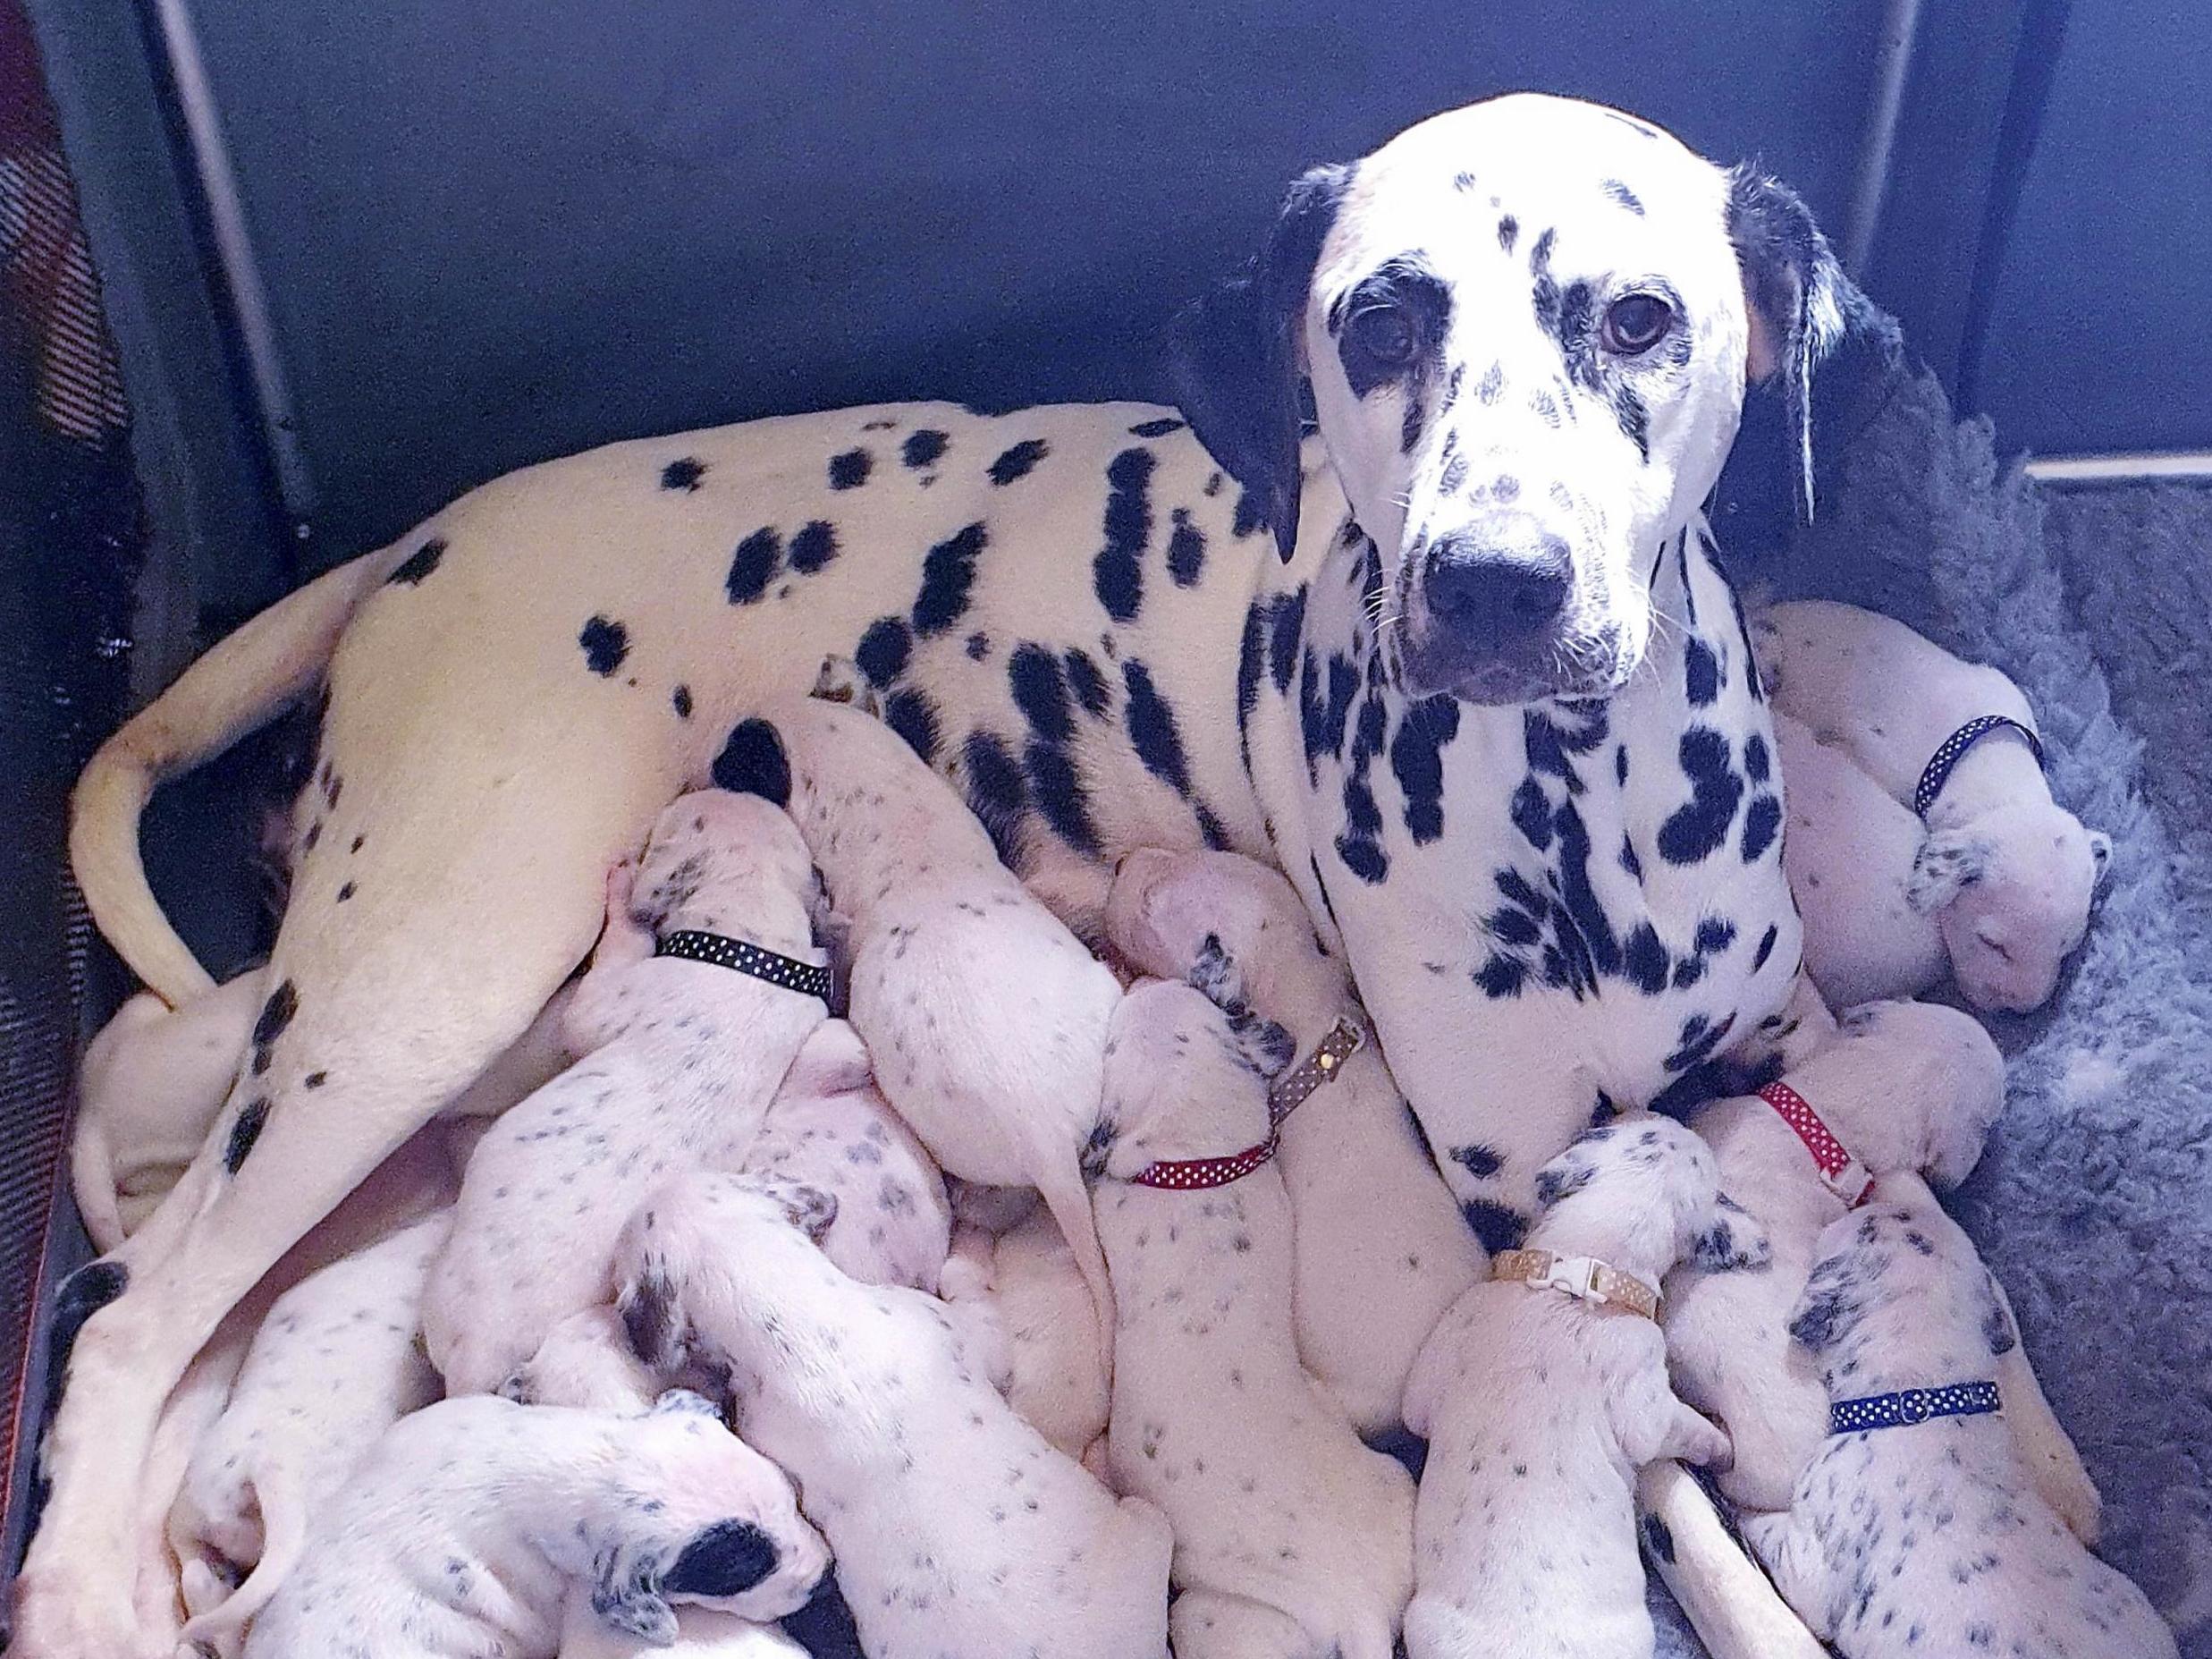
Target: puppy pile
1057,1306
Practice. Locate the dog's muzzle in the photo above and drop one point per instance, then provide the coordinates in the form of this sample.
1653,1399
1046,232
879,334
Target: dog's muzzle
1488,614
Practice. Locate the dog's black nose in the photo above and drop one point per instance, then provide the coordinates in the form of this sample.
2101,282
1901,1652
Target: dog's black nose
1497,590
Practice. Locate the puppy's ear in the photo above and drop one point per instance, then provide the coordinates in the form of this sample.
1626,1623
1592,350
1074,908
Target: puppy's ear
1730,1237
1998,1327
653,1318
626,1595
728,1558
1215,973
1945,865
1236,359
1574,1169
809,1209
1801,302
1267,1049
1834,1300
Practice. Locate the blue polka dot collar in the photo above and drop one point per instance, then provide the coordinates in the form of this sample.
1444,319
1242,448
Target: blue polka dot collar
691,945
1908,1406
1953,750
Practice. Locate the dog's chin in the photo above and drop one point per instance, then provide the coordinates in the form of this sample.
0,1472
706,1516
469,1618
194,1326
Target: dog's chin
1531,674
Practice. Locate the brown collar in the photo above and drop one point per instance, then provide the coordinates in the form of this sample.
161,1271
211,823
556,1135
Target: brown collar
1584,1277
1292,1090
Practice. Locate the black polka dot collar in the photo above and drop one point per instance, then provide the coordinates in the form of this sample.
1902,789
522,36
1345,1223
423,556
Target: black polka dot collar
788,972
1908,1406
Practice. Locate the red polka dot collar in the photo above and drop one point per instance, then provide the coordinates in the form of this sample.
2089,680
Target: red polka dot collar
1291,1091
1840,1172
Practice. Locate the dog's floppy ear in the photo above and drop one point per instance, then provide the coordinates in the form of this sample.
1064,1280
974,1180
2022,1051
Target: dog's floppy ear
1266,1047
653,1316
1834,1298
809,1209
1945,864
728,1558
1730,1237
1800,301
1235,356
626,1593
1574,1169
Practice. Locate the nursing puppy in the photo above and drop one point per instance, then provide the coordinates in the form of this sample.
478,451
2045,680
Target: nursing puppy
1850,854
682,1060
2007,872
463,1531
1290,1536
1904,1087
985,1017
958,1529
334,1365
830,1127
1539,1411
1381,1248
1930,1536
1026,1284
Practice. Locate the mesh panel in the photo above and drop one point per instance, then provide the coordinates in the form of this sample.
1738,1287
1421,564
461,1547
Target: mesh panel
71,543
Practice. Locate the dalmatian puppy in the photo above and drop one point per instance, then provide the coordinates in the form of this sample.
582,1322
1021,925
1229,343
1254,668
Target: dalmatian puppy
1540,1412
1026,1288
682,1059
1850,853
1290,1536
2008,874
956,1527
1904,1087
985,1016
1444,662
464,1529
152,1083
830,1127
335,1364
1381,1250
701,1633
1918,1527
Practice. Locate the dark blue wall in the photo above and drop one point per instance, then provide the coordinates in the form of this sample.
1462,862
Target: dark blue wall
497,232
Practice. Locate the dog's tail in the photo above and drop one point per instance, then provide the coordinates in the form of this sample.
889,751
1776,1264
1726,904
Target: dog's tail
1069,1201
243,684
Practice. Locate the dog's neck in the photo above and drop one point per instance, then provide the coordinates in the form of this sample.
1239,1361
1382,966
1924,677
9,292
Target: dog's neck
752,911
1630,1236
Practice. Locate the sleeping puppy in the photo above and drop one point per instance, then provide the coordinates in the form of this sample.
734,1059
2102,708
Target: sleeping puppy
1541,1405
1917,1528
830,1127
1026,1285
682,1058
2008,874
1904,1086
334,1366
1849,852
985,1017
464,1530
958,1529
1381,1247
1290,1536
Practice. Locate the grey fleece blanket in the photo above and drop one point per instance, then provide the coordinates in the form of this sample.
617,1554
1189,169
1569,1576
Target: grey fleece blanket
2094,1202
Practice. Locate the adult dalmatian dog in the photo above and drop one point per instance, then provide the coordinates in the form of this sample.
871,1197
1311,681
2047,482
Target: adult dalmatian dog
1461,663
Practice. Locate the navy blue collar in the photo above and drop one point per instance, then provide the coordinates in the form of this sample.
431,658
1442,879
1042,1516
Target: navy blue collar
691,945
1953,750
1908,1406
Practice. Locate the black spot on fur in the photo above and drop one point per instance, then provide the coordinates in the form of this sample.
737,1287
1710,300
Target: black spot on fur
277,1014
1699,1038
1701,673
1186,550
884,650
1531,812
1365,857
82,1294
1478,1160
1016,462
759,556
1159,429
1496,1226
679,700
648,1309
1152,728
997,792
1643,959
813,546
948,575
753,763
1618,191
1696,830
1758,761
605,644
1115,575
1766,948
979,646
1033,673
913,716
1088,684
1248,518
1060,796
1286,625
1415,422
1659,1540
418,564
315,1079
728,1559
346,891
683,475
851,469
923,449
1508,231
245,1129
1762,822
1250,648
1417,761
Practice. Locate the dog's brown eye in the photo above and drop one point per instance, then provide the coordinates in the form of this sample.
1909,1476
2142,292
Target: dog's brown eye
1384,334
1634,323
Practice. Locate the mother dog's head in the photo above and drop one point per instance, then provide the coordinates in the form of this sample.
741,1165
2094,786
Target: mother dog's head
1528,325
